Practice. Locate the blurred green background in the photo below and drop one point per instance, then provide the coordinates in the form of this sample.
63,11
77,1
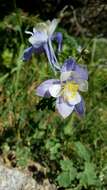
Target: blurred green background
73,151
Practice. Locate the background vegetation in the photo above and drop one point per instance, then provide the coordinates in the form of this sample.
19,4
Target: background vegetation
72,153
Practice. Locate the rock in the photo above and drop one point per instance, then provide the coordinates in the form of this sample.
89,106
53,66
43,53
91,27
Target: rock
13,179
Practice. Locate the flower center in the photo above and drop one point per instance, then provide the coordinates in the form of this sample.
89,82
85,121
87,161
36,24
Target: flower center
69,90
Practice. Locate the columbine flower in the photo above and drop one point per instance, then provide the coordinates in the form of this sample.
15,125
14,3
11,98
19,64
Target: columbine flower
66,90
41,41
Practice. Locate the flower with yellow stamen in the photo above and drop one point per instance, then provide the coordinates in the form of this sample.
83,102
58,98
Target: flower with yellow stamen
69,90
66,90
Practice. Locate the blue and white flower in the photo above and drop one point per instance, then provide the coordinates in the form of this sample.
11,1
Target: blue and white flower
73,79
41,41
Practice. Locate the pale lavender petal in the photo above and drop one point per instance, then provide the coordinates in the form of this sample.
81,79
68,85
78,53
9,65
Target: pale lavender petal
43,89
69,65
58,37
63,107
38,38
82,72
27,54
80,108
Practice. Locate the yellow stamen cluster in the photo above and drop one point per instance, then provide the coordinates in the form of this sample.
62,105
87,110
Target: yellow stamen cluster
69,90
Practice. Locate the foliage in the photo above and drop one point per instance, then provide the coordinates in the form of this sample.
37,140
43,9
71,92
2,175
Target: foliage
68,173
88,176
73,151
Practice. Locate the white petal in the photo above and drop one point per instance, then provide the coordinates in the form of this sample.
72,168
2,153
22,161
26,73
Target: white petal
52,26
41,27
63,108
65,75
38,38
28,32
75,100
83,85
55,90
34,30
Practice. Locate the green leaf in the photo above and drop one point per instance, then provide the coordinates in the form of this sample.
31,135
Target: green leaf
82,151
68,173
22,155
68,129
54,148
88,176
64,179
66,165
